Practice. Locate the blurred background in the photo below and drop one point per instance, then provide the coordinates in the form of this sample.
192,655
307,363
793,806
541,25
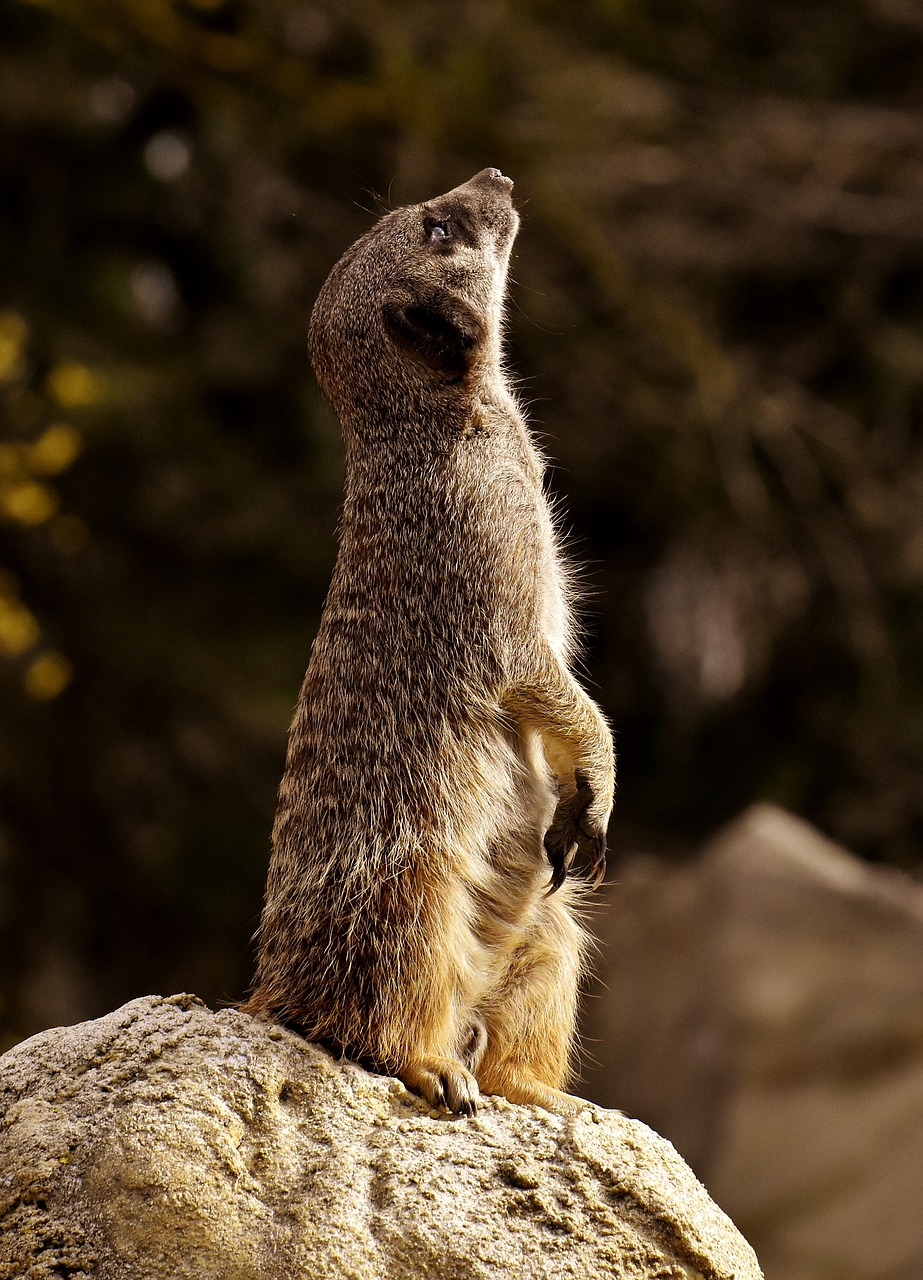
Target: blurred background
717,320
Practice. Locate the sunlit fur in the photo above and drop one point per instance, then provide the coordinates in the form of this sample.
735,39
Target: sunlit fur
439,729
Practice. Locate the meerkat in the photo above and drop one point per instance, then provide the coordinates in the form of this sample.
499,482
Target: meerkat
444,766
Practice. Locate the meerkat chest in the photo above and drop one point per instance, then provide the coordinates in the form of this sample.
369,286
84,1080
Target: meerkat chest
552,588
524,550
542,578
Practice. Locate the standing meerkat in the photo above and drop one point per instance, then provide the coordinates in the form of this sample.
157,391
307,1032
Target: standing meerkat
444,767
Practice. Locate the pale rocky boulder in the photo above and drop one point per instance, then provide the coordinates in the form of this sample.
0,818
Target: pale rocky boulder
166,1141
763,1008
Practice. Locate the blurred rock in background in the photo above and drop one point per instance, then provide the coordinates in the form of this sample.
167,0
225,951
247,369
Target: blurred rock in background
762,1007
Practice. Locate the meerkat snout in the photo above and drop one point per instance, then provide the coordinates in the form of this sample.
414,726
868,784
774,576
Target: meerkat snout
493,175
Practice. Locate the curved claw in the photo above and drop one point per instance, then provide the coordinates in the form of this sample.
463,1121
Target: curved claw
593,845
558,876
598,861
560,855
458,1095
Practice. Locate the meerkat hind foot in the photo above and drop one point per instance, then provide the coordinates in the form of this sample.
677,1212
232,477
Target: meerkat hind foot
532,1094
442,1082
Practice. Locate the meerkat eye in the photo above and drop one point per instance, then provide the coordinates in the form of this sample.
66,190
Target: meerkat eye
439,232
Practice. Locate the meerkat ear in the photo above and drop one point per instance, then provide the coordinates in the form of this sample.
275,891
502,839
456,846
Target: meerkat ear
437,328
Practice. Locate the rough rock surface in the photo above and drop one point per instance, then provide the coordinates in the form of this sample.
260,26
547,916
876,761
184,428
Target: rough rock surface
763,1008
167,1141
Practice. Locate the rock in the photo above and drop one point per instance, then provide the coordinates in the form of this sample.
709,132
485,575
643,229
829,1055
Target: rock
167,1141
764,1010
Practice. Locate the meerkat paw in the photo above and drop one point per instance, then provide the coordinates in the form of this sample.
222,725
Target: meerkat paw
578,826
443,1082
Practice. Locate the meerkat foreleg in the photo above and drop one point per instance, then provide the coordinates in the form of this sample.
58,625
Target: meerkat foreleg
578,745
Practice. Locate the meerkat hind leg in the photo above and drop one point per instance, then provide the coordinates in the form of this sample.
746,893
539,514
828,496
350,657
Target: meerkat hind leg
530,1019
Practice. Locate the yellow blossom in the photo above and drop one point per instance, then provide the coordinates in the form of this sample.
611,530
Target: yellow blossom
28,502
18,628
74,385
47,676
54,450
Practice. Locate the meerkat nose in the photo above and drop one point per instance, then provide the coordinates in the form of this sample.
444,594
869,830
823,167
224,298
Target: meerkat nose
493,175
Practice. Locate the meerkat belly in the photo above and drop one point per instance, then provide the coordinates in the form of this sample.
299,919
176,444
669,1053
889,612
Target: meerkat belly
506,871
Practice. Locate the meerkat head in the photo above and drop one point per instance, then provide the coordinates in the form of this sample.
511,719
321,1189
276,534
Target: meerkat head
416,305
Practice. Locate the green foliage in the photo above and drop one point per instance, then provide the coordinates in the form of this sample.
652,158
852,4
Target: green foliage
718,313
